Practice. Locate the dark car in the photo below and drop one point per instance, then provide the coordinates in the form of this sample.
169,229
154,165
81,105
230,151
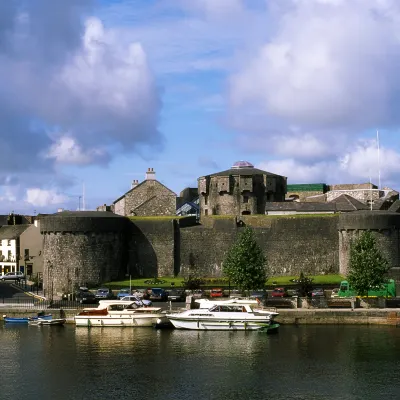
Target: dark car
158,294
259,295
104,294
279,292
85,296
176,295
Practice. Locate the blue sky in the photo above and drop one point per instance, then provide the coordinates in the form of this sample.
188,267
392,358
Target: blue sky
94,92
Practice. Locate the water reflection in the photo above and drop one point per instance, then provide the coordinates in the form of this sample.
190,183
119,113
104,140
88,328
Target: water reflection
311,362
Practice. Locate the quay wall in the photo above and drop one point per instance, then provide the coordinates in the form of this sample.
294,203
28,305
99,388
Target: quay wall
369,316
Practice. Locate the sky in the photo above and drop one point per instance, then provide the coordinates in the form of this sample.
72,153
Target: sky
95,92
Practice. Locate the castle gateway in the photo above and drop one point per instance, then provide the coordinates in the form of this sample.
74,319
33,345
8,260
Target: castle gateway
240,190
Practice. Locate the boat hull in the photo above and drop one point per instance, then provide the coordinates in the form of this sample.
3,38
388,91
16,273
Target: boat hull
48,322
104,321
221,325
24,320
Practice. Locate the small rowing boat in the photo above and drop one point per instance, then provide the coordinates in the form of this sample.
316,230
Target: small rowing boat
41,321
25,320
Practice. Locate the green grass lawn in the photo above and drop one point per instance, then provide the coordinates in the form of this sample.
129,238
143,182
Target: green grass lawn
178,281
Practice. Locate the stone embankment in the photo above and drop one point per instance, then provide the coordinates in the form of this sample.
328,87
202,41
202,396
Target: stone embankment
371,316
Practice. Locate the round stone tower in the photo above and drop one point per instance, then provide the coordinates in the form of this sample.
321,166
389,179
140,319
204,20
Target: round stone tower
384,225
82,248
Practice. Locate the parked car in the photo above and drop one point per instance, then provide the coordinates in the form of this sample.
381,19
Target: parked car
104,293
137,300
317,292
197,294
216,292
122,293
13,276
85,296
176,295
235,293
260,295
158,294
335,292
280,292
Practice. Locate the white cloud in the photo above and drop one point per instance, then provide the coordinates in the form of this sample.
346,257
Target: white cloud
42,197
329,64
67,151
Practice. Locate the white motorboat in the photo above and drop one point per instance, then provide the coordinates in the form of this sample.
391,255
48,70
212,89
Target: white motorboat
118,313
225,315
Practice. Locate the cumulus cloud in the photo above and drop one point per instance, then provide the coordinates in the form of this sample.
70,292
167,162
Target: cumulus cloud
63,71
40,197
328,64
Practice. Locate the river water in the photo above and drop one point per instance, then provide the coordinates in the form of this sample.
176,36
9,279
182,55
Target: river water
299,362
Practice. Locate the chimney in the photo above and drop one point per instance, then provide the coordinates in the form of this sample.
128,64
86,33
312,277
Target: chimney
150,174
135,182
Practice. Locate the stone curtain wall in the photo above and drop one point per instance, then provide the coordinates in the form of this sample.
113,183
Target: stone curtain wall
291,244
79,259
150,198
151,248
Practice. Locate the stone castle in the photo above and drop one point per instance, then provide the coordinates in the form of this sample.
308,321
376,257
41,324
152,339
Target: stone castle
92,247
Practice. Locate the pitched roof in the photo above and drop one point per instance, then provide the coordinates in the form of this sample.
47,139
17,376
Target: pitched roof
344,202
243,171
10,232
395,207
299,206
140,184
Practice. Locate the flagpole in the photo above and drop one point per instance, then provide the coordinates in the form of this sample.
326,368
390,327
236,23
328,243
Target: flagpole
379,160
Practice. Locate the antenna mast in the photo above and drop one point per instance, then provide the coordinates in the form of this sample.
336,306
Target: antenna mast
379,160
83,196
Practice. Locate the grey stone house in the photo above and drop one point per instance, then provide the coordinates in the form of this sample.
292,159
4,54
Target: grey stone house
147,198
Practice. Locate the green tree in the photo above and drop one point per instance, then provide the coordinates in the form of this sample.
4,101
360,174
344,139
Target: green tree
245,264
367,266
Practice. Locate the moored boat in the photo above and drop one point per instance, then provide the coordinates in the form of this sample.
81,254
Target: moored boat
48,322
118,313
25,320
225,315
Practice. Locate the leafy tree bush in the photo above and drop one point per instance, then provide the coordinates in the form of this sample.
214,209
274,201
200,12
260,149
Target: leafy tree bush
305,284
245,264
367,266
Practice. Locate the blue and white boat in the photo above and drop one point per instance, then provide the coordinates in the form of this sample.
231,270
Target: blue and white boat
25,320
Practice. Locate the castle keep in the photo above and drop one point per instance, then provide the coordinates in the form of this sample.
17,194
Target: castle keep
240,190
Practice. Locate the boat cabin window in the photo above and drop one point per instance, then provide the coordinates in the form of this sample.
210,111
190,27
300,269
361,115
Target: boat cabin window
116,307
225,308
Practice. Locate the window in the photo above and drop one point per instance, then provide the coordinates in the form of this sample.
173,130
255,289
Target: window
205,200
29,269
9,242
26,254
205,212
9,255
245,199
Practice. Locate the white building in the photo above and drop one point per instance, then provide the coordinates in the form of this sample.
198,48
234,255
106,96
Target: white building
10,248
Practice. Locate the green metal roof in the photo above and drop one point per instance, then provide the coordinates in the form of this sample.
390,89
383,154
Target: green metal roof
307,187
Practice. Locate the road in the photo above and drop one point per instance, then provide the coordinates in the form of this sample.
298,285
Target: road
10,293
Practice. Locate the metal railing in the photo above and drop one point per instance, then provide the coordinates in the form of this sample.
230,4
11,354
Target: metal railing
35,303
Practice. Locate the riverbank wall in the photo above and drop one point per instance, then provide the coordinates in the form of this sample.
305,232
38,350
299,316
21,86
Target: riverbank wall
370,316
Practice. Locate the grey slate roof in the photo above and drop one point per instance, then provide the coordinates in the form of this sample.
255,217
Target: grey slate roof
395,207
243,171
9,232
299,206
140,184
344,202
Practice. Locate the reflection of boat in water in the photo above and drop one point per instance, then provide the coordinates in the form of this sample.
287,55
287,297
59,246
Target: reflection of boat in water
225,315
48,322
25,320
118,313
